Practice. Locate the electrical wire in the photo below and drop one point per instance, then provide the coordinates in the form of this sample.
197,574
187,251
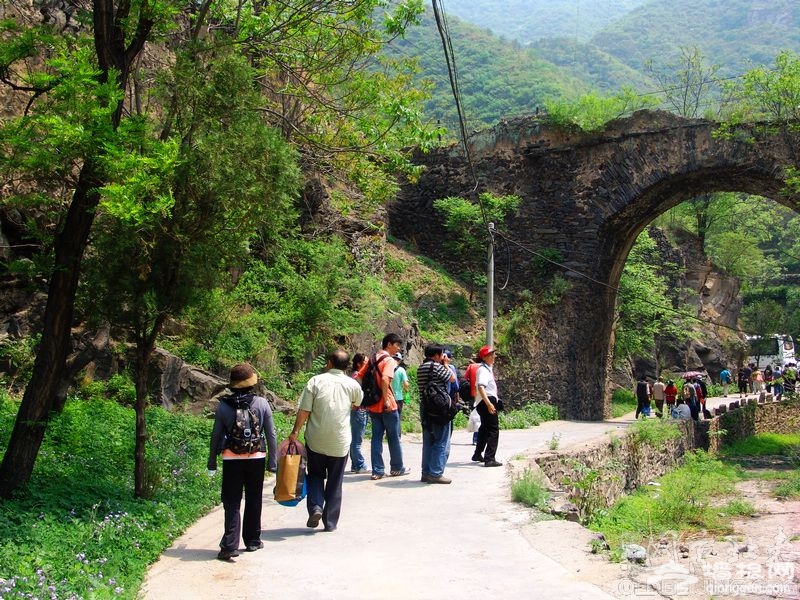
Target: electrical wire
514,242
447,46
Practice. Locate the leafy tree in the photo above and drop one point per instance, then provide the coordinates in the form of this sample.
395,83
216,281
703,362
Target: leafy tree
736,253
591,112
688,84
182,209
466,223
94,135
644,314
76,88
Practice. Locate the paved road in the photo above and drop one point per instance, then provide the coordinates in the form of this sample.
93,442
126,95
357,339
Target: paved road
397,538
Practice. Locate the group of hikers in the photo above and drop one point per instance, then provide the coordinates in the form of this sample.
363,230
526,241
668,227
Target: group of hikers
689,401
335,407
750,379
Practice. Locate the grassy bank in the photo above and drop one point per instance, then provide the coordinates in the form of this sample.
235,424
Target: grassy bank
76,531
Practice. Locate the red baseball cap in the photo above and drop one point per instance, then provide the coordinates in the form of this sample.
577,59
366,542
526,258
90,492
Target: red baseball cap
485,351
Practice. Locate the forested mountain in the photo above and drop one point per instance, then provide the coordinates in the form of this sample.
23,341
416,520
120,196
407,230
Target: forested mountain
734,35
588,46
501,79
529,20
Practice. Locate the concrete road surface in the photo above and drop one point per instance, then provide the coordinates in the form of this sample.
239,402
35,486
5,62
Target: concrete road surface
397,538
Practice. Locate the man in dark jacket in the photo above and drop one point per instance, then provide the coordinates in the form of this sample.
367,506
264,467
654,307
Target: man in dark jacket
242,465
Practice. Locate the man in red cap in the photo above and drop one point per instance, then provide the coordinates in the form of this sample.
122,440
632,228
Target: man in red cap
489,432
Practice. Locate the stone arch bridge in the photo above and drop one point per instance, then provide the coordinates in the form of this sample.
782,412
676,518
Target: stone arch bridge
587,196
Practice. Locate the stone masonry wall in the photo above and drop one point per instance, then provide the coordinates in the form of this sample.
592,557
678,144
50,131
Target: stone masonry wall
598,473
587,197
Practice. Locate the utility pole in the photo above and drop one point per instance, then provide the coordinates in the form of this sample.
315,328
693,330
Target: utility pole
490,290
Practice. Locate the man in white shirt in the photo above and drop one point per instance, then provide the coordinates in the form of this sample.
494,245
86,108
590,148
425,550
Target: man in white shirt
487,400
324,408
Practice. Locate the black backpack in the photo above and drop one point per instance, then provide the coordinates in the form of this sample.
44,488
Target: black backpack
436,402
244,436
465,392
370,383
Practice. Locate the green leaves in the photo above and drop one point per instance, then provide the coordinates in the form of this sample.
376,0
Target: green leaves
591,112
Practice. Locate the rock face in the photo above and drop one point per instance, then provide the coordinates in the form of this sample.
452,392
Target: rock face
181,386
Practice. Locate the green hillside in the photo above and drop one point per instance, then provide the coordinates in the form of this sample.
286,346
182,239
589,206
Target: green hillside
529,20
732,34
497,79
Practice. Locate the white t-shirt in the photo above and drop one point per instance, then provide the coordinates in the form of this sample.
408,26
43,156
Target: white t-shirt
486,380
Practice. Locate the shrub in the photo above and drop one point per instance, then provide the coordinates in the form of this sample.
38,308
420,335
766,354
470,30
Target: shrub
530,490
622,402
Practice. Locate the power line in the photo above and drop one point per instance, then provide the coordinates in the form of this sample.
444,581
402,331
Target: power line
510,240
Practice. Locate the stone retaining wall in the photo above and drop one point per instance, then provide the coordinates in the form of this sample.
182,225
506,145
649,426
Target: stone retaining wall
596,474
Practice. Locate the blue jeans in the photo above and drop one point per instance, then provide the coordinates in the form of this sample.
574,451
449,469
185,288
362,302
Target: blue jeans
435,448
358,425
389,423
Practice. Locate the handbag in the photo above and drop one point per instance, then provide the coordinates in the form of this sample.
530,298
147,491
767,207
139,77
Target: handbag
290,480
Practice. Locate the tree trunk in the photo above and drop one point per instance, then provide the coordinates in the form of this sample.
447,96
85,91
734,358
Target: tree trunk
139,466
51,357
50,364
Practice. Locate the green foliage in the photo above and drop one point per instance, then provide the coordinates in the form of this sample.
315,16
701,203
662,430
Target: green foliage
764,444
529,489
466,221
591,112
623,401
76,526
767,94
790,487
645,303
684,500
19,355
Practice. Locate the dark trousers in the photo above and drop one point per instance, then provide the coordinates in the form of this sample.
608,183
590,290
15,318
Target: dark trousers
489,432
640,404
238,475
325,495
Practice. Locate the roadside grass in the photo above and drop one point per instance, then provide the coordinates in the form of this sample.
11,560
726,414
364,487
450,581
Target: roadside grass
76,531
790,487
529,489
686,499
622,402
775,444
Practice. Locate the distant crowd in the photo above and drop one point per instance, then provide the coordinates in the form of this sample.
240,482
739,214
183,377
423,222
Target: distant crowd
689,401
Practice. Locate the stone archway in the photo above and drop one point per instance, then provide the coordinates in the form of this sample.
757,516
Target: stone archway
587,196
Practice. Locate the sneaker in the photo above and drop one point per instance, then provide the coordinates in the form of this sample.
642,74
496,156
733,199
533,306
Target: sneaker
401,472
254,547
313,518
361,470
477,458
440,479
227,554
493,463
